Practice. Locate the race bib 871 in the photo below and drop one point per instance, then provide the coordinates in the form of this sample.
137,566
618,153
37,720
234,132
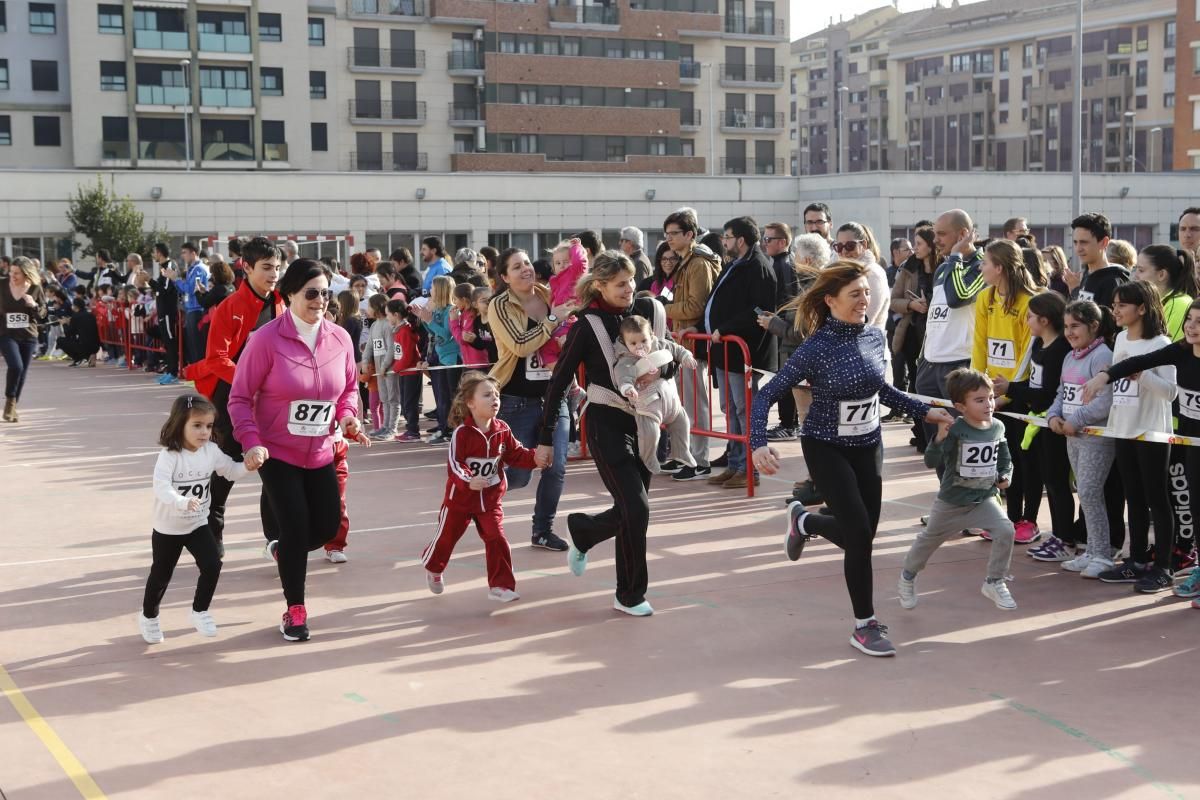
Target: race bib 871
310,417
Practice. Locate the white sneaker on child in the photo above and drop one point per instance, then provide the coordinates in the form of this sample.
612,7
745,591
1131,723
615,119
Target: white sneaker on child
434,581
908,592
204,623
1095,567
1078,563
997,592
502,595
150,629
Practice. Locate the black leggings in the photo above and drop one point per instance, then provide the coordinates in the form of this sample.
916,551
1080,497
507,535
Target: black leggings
851,481
1143,468
1016,494
613,444
1050,450
307,509
167,548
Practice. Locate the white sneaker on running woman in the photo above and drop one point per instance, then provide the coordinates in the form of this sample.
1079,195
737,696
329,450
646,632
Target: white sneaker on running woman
204,623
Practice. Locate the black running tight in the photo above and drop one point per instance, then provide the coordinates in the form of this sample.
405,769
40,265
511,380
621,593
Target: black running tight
307,510
1143,468
167,548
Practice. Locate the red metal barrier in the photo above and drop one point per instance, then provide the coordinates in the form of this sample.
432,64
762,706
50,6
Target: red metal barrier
699,429
119,326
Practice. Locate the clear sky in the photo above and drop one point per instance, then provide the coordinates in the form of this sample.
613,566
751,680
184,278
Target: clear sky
809,16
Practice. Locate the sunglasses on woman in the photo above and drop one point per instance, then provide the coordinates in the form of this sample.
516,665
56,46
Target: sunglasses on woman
313,294
846,247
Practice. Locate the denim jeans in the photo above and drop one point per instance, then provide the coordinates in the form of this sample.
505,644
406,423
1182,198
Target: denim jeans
733,404
194,343
18,353
524,416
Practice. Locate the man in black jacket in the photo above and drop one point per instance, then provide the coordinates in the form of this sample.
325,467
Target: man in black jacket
777,244
166,306
747,283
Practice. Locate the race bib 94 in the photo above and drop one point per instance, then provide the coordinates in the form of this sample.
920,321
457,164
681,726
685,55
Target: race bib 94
310,417
858,417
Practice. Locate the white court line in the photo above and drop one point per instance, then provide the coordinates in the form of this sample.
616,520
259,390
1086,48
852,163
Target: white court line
89,459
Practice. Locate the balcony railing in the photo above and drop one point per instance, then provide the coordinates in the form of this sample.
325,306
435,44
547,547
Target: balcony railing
227,98
386,8
737,118
689,117
465,113
389,162
385,110
689,70
376,58
751,73
463,60
224,42
162,95
689,6
757,166
146,39
226,151
567,12
115,151
275,151
755,26
161,150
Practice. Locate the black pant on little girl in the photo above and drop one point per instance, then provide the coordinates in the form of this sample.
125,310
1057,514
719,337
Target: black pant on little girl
167,549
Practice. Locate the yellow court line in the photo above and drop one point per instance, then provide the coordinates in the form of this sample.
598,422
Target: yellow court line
62,754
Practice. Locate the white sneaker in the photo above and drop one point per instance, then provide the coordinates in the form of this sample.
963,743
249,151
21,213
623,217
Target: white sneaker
204,623
997,592
271,550
574,450
502,595
151,632
1078,563
1095,567
335,557
434,581
908,592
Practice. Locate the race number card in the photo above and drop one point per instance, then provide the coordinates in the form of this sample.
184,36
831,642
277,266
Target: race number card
310,417
858,417
978,459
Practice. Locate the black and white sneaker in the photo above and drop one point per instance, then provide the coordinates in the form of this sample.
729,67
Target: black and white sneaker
1128,571
692,474
548,541
671,466
294,625
781,434
793,543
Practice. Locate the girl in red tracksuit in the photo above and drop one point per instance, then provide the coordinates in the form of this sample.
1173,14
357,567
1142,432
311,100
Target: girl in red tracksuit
480,448
406,362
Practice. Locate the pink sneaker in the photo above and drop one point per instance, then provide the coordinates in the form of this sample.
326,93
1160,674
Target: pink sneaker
1027,532
409,436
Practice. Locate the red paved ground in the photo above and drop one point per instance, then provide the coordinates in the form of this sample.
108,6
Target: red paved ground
741,685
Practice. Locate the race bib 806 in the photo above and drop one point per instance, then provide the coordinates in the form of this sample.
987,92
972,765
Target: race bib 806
487,468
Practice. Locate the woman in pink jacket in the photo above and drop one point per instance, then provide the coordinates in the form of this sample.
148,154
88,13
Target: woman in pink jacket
296,379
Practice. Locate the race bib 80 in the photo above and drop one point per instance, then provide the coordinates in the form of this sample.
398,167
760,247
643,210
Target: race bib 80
310,417
1125,392
978,459
536,368
858,417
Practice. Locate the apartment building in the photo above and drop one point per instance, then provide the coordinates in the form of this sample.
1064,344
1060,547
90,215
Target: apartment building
620,86
1187,78
989,87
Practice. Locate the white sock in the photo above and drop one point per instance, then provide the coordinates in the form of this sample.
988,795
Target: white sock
800,522
862,623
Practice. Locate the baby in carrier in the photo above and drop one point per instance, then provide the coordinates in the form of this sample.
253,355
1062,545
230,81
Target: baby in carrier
639,352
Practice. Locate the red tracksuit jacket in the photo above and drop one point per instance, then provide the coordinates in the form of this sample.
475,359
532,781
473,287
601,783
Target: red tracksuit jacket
407,350
476,452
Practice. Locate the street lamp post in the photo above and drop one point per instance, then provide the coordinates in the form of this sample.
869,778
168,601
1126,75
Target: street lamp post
187,133
842,92
1131,119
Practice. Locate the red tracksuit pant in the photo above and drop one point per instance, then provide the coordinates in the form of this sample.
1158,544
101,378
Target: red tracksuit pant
341,466
452,524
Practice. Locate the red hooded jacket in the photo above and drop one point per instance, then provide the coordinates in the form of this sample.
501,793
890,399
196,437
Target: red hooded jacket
407,349
476,452
231,324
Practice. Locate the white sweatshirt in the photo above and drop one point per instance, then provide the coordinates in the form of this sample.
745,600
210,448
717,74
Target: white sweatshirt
1143,404
180,476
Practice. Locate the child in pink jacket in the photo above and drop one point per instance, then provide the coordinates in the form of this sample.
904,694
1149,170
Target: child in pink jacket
462,327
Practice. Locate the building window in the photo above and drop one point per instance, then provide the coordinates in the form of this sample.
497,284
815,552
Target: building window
272,81
41,20
1169,100
571,45
316,32
320,137
316,84
4,23
1169,34
1027,56
45,76
1004,59
112,18
3,73
5,130
464,143
112,76
46,132
270,27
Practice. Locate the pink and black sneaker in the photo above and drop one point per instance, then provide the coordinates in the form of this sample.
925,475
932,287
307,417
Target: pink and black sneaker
294,626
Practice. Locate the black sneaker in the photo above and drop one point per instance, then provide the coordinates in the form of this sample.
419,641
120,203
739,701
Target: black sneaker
1154,579
221,550
692,474
430,414
872,640
721,462
806,494
781,434
294,625
671,466
1126,572
548,541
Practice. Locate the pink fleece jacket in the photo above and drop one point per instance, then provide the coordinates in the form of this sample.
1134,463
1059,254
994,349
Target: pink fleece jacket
277,369
562,285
